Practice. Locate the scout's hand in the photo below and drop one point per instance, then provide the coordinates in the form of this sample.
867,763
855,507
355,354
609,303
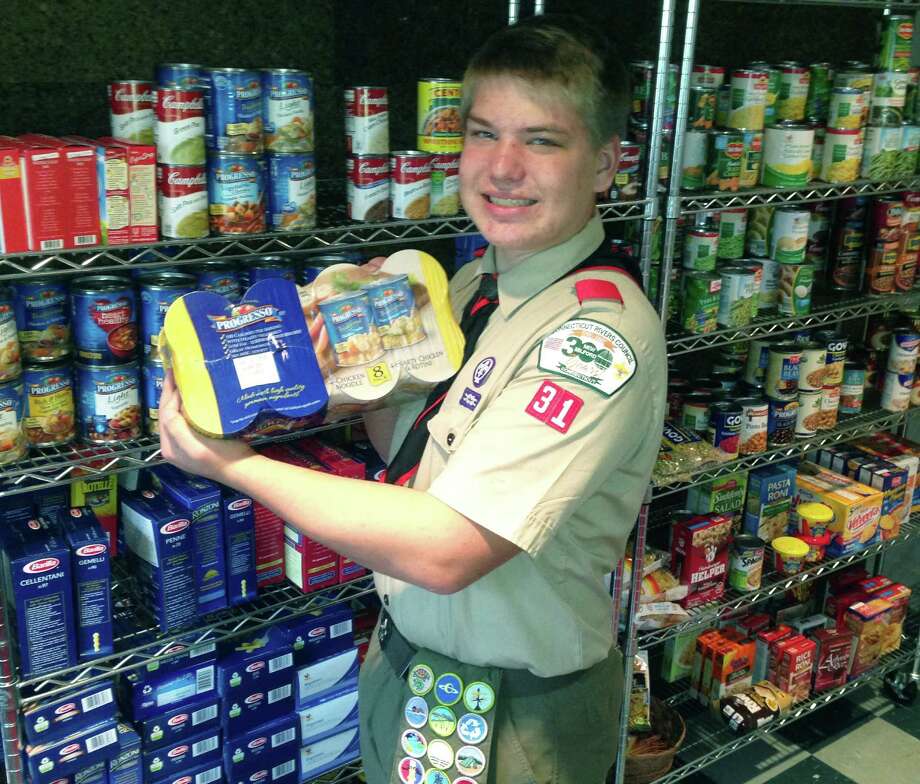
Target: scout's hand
184,447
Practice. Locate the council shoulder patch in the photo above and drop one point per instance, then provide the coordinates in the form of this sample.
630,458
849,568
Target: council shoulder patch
591,353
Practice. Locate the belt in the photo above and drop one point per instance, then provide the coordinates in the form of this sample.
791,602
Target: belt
398,650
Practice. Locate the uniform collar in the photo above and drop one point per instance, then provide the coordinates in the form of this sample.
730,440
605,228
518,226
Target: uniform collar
528,278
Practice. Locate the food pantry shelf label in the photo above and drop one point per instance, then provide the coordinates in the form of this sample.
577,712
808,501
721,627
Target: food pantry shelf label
589,352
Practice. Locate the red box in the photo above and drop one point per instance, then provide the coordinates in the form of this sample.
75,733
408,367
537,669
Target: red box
699,557
873,584
332,458
794,673
14,231
142,188
350,570
114,197
44,176
869,622
832,658
751,625
836,605
776,655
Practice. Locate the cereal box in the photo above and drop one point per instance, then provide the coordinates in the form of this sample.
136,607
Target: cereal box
699,557
868,621
769,498
832,658
720,496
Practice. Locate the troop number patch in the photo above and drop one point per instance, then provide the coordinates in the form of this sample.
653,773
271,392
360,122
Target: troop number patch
590,353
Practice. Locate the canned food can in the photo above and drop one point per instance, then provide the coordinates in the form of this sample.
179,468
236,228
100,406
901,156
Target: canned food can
757,241
842,155
395,314
781,381
695,411
221,278
755,368
693,168
664,157
676,393
641,79
670,99
781,417
367,120
10,360
180,74
701,249
711,76
787,155
410,184
368,187
637,128
236,193
753,434
748,98
153,374
915,393
108,402
288,112
440,128
795,286
817,246
896,391
910,101
773,88
48,404
808,417
745,570
700,304
728,380
131,110
848,104
724,427
180,126
889,94
182,199
768,298
903,350
291,191
905,271
158,291
756,268
702,110
817,151
723,105
445,179
881,152
732,229
836,355
728,364
813,366
881,266
13,443
735,296
897,34
793,91
906,164
265,267
352,332
830,405
723,165
846,256
236,110
751,160
819,90
104,311
788,234
852,389
43,318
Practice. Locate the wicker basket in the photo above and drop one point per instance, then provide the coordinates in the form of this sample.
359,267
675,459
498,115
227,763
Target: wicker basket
669,725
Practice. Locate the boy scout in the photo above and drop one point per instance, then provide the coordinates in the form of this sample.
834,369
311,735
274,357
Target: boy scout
494,659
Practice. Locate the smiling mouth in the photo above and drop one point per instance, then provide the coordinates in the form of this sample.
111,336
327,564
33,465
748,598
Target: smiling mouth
509,202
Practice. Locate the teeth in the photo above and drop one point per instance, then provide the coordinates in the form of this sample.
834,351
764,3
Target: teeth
511,202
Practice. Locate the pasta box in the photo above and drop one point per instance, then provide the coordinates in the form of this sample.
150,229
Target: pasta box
56,718
335,712
249,663
48,762
206,773
178,755
146,695
721,496
770,493
731,672
330,752
239,546
321,633
251,707
333,459
180,721
702,651
338,671
101,495
126,767
261,747
763,643
699,557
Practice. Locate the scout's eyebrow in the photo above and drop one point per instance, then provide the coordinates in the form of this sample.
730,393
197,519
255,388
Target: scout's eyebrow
530,129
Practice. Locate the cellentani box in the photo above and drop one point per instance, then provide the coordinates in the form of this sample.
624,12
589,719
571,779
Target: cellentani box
200,500
92,581
47,721
331,752
321,633
245,710
334,672
259,662
770,493
261,747
49,762
206,773
180,722
147,695
181,754
126,768
239,546
333,713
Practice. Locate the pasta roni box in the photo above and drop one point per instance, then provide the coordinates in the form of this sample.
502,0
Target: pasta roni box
239,546
769,499
56,718
857,507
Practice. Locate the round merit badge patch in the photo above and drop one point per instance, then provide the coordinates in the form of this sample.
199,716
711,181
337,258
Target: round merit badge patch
470,761
479,697
421,679
416,712
448,689
440,754
411,771
414,743
482,371
443,721
437,777
472,728
464,780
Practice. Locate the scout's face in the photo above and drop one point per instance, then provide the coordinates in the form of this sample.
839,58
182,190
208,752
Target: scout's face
529,172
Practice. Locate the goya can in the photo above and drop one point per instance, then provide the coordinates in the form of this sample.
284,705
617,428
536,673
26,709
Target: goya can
735,296
367,120
788,234
368,187
906,164
745,568
897,33
793,91
836,346
104,319
43,318
852,389
711,76
787,155
13,444
693,166
723,168
808,417
748,98
724,428
732,228
236,110
842,154
158,291
781,381
701,249
265,267
395,314
795,286
180,126
812,366
180,75
881,152
221,278
753,434
131,110
182,198
781,416
751,159
700,303
445,179
291,191
410,184
10,360
439,126
48,404
153,374
819,90
889,95
848,105
108,402
236,193
352,332
702,109
287,110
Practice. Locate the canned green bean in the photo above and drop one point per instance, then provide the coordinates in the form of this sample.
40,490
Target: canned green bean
711,76
732,228
702,107
723,168
889,94
701,248
795,284
793,91
787,155
910,146
769,284
700,304
642,79
735,296
881,152
758,230
897,34
819,90
788,235
693,169
723,104
817,150
848,104
756,269
751,159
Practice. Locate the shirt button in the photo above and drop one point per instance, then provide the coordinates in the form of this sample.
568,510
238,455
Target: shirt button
386,599
450,439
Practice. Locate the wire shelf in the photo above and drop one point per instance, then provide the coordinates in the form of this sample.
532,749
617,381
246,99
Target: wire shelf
350,771
872,4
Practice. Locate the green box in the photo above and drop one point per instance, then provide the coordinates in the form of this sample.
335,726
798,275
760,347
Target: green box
724,495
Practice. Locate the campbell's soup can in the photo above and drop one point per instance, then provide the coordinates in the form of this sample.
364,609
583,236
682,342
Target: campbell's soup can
287,110
10,362
48,404
108,402
182,199
410,184
13,444
236,110
439,125
445,184
711,76
183,75
367,120
236,193
291,191
368,187
104,309
131,110
626,180
158,291
180,126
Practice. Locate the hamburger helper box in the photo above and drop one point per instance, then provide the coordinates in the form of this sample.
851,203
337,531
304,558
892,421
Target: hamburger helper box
142,187
14,230
699,557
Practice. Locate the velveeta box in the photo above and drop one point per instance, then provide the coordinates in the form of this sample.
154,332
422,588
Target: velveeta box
857,507
898,596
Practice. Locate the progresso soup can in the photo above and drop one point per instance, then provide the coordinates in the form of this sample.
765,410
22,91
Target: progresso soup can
236,110
222,278
43,317
291,191
352,332
104,319
10,364
265,267
108,402
287,110
158,291
236,193
395,313
48,414
13,444
153,374
439,125
180,75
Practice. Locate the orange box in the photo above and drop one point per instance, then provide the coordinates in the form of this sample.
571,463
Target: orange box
869,622
731,672
702,652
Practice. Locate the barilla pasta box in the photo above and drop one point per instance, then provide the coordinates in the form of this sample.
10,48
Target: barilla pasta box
857,507
335,712
321,633
251,707
114,199
126,767
15,509
239,364
262,660
142,187
180,721
179,654
94,774
280,766
338,671
46,721
39,589
181,754
101,495
49,503
770,493
145,695
330,752
391,332
900,452
14,233
699,557
261,747
91,569
206,773
724,495
200,500
239,546
161,542
49,762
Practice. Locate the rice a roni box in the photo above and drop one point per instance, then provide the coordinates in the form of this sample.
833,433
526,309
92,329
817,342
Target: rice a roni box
699,557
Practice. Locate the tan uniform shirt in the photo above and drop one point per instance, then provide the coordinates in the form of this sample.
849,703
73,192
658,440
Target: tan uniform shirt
553,464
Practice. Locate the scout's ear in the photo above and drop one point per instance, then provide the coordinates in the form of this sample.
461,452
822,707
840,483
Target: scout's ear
607,158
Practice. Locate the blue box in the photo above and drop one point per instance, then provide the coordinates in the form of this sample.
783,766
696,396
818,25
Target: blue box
248,664
186,753
146,695
321,633
47,721
336,712
161,542
180,654
330,752
126,768
244,711
334,672
48,762
179,722
770,495
255,749
91,568
279,767
94,774
201,501
206,773
16,508
239,546
51,501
